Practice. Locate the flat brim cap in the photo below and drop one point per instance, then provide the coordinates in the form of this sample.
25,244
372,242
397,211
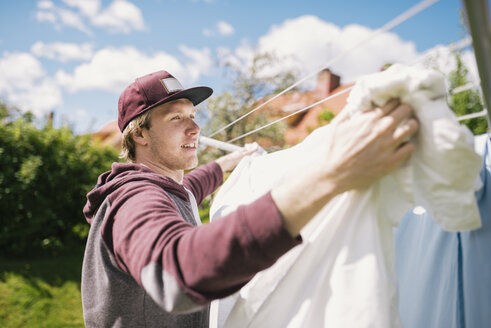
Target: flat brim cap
152,90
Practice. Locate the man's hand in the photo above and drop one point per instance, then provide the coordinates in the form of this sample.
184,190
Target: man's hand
355,152
363,148
230,161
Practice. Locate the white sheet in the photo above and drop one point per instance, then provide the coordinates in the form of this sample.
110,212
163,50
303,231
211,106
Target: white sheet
343,274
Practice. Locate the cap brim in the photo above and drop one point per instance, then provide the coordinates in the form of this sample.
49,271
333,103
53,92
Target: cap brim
196,95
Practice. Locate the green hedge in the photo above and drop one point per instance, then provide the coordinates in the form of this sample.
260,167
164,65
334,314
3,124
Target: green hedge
45,175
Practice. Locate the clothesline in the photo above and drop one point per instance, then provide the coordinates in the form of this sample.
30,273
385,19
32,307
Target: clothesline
455,91
460,89
289,115
465,87
454,46
482,113
227,146
385,28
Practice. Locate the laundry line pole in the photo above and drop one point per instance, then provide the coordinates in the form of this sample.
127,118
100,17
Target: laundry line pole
218,144
477,14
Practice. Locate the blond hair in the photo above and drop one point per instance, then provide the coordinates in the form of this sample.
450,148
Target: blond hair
135,126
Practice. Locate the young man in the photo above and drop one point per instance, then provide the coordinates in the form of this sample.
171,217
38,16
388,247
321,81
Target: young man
150,263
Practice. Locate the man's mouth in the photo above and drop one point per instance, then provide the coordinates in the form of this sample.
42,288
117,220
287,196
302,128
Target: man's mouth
189,145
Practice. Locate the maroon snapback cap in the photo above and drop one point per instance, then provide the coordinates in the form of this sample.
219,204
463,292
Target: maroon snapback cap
152,90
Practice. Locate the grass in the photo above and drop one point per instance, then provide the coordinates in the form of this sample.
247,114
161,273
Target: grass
41,293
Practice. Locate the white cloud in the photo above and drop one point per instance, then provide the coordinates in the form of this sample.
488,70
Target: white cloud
220,28
44,16
442,58
45,4
207,32
72,19
200,62
24,83
63,51
59,16
225,28
307,43
81,113
112,69
121,16
88,8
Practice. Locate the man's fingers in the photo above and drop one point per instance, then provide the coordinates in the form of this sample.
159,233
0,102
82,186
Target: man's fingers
404,131
396,120
388,107
400,113
402,153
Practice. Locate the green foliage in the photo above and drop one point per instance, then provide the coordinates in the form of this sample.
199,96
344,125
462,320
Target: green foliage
325,116
204,209
44,178
4,111
9,113
465,102
38,294
386,66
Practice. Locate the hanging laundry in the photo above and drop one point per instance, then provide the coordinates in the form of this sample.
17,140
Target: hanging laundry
343,274
444,278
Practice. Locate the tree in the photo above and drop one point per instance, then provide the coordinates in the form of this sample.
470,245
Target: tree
10,113
247,87
44,178
465,102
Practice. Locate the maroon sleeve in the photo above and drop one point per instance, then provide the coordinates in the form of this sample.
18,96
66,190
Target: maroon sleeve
158,248
203,180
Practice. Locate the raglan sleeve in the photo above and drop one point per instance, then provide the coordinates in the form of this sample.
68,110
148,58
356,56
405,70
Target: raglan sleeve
203,180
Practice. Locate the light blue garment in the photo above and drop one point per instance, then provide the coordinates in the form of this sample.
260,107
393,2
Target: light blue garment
476,251
427,271
444,278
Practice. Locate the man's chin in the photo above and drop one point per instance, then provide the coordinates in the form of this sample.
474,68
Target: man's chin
192,165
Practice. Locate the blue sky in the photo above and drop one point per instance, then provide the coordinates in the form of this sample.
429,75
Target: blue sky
74,57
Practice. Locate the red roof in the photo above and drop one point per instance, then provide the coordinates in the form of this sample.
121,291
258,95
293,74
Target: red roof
301,124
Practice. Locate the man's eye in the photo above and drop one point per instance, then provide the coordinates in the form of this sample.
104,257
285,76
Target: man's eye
175,118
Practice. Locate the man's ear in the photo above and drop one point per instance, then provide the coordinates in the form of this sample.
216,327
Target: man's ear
140,137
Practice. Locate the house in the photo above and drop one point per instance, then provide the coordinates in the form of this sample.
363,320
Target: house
301,124
109,135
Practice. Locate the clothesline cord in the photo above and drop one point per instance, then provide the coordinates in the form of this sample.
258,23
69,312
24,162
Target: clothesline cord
454,46
461,44
482,113
294,113
460,118
387,27
465,87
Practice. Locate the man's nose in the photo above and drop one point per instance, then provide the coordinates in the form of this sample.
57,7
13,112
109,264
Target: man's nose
193,128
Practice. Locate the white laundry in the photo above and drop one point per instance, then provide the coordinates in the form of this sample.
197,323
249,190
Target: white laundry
343,274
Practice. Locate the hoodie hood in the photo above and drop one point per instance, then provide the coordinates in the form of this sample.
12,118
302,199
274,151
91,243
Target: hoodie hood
122,173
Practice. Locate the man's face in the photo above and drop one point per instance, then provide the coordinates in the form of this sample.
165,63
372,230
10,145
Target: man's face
173,135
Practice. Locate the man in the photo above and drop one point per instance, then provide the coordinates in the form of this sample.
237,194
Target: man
149,262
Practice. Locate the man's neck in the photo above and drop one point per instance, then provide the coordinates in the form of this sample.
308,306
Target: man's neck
176,175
